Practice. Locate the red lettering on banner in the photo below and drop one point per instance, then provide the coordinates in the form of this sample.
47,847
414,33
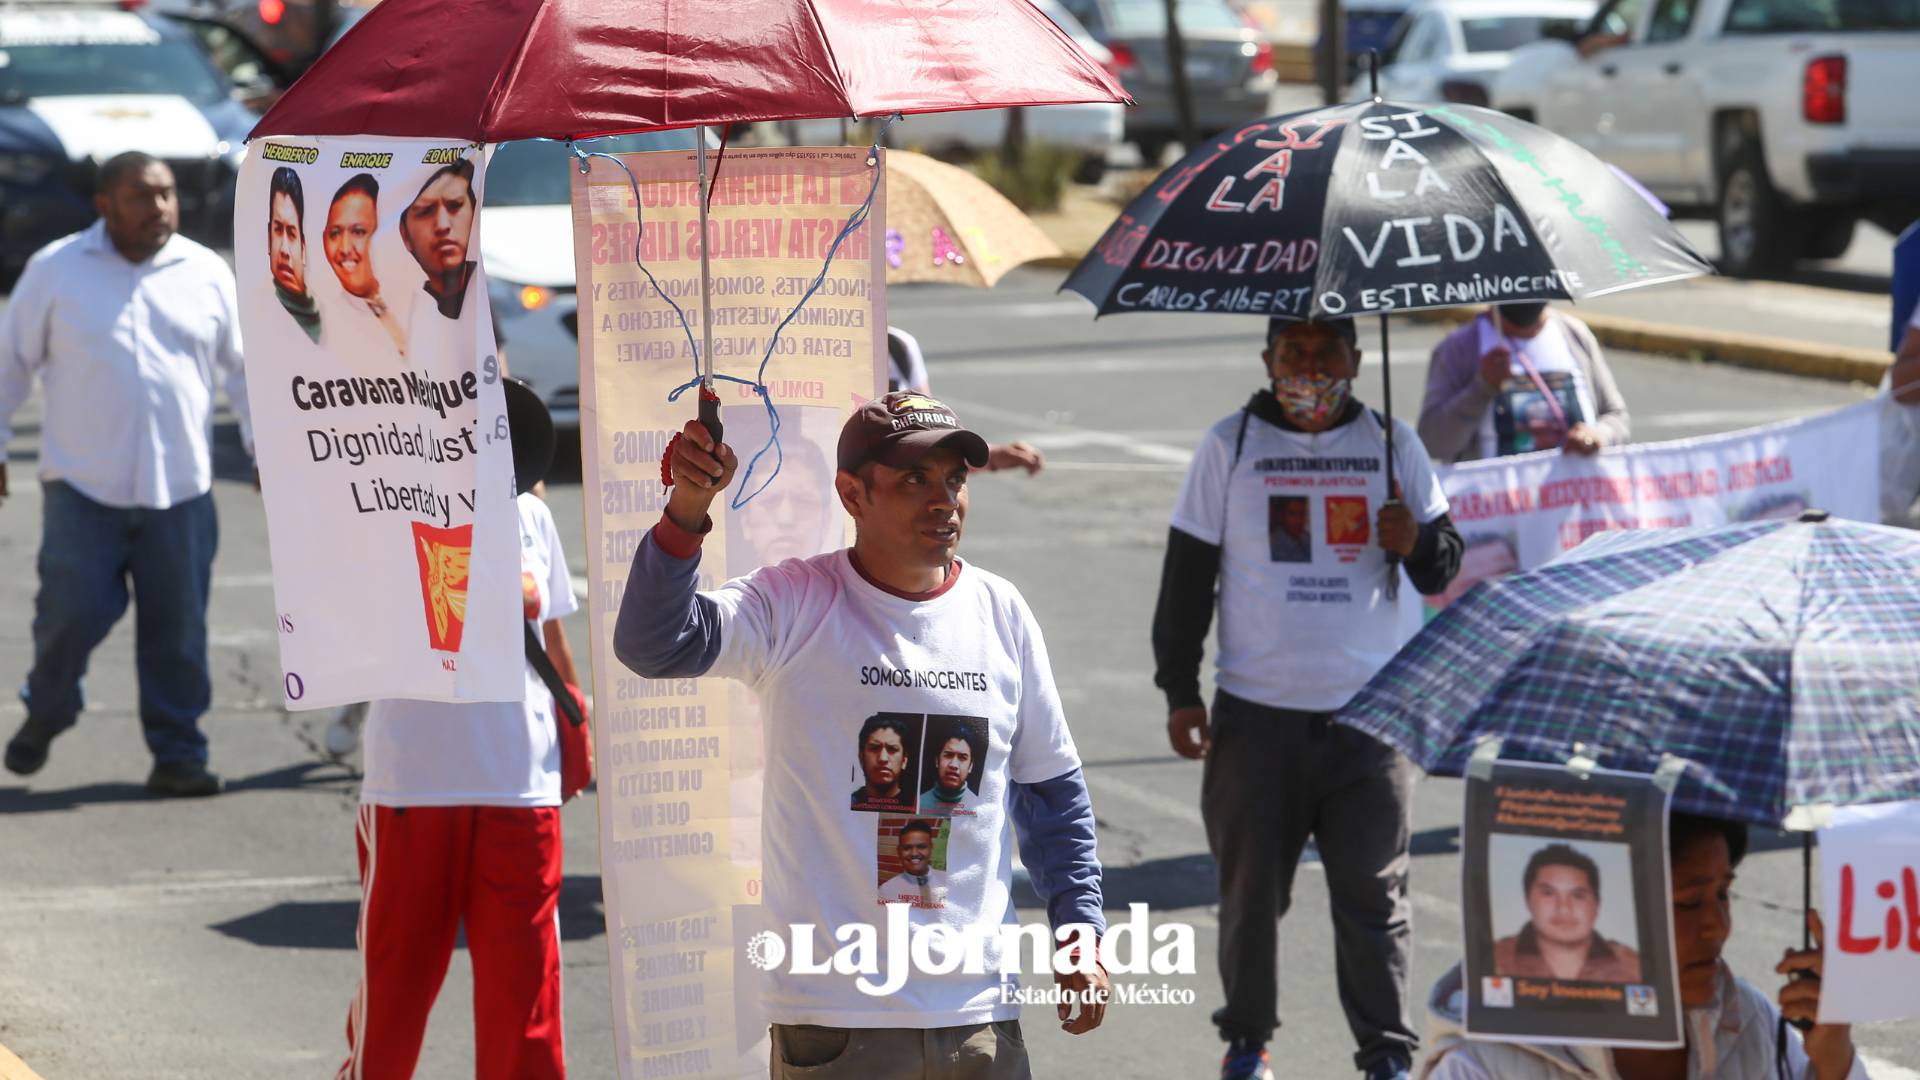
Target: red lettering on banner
1748,475
1902,920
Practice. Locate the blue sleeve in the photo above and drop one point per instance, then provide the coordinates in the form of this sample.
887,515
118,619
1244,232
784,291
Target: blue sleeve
1053,820
666,629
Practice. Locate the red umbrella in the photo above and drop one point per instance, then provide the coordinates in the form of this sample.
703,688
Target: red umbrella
494,70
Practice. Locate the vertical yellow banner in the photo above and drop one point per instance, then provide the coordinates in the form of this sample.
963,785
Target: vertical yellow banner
681,760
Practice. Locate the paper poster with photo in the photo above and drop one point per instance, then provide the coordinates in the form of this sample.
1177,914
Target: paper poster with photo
1525,419
1870,873
1569,929
379,420
683,761
912,861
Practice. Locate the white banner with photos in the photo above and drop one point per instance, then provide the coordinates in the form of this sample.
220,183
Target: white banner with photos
379,421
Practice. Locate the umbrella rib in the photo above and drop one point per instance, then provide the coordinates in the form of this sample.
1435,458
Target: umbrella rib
837,79
508,73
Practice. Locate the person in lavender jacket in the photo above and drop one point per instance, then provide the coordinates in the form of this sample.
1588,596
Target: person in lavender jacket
1519,378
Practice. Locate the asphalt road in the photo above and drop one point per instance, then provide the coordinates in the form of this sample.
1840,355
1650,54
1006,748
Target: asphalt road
190,940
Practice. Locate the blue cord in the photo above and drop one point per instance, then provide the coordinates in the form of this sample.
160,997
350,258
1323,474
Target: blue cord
742,496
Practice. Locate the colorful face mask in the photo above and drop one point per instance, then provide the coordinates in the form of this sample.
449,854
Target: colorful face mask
1311,399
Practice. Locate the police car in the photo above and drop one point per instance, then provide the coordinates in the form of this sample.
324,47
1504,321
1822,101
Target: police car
80,83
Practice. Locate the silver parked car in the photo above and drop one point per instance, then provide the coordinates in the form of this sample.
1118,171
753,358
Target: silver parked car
1229,64
1452,50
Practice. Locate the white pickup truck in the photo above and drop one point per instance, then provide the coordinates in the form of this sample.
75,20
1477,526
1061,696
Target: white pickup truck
1786,121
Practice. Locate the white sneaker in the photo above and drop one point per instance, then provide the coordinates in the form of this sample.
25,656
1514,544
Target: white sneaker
343,732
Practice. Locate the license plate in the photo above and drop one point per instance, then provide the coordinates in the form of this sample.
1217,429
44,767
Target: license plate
1202,69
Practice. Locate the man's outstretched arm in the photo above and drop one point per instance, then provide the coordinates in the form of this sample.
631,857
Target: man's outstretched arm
666,629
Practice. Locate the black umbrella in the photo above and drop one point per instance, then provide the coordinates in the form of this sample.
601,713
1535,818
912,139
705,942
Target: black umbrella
1377,207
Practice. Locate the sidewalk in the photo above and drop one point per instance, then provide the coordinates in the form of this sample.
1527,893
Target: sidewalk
1805,330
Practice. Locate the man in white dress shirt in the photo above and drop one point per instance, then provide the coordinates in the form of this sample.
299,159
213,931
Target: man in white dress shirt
129,327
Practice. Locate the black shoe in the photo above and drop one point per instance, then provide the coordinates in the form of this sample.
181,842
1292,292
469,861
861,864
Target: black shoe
27,751
182,779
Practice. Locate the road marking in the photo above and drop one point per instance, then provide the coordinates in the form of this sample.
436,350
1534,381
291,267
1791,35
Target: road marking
1114,466
1881,1069
144,893
1177,809
1146,448
243,581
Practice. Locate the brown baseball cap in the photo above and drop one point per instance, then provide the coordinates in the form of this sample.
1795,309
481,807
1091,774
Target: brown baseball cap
898,429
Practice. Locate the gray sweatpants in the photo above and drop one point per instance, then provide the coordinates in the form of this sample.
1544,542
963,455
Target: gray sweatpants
1275,777
995,1051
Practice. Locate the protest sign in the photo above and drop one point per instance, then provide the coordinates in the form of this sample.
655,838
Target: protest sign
1516,513
379,421
681,760
1569,927
1870,876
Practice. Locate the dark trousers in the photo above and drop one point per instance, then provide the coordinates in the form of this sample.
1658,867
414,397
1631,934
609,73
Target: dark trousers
89,554
1274,778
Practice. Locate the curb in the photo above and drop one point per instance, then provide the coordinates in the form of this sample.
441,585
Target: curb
12,1068
1833,363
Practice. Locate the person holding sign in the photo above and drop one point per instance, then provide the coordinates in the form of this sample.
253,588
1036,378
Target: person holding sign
129,327
1738,1019
894,623
1286,513
1520,378
460,826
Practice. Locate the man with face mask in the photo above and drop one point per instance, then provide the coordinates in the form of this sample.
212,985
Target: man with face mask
1520,378
1300,633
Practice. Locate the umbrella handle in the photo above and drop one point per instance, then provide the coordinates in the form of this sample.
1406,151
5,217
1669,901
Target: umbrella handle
710,415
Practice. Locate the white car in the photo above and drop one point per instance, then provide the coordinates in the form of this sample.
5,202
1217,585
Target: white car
1784,120
1092,127
1452,50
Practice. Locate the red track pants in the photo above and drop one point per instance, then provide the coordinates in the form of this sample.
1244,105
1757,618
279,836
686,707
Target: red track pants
424,870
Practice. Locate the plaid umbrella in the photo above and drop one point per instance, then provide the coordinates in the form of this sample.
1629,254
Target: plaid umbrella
1781,659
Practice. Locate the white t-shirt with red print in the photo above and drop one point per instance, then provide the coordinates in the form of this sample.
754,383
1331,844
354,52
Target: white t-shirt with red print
490,753
828,650
1304,616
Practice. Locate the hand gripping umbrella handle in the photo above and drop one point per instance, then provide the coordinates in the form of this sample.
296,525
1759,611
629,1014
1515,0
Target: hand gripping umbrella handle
710,415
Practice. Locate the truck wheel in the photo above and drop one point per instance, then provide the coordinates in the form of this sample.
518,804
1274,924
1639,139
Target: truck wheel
1756,237
1090,169
1827,238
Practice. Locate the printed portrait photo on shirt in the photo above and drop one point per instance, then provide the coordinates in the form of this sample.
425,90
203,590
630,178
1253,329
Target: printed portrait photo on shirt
955,763
886,762
912,864
1562,909
798,515
1290,528
287,250
1486,555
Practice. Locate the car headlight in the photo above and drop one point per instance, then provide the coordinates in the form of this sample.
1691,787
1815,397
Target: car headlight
25,168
